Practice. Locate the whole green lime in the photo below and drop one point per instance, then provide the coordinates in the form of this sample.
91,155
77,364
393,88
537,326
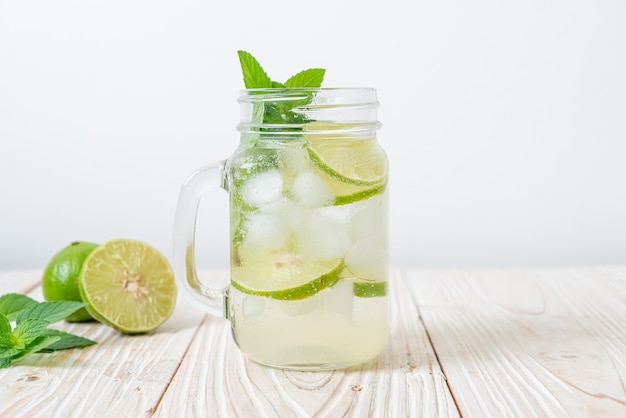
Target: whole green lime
60,278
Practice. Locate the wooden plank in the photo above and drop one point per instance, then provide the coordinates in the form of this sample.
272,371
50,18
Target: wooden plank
215,379
120,376
549,342
19,281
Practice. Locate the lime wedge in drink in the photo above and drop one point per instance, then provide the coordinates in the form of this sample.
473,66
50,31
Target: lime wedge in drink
284,276
128,285
365,289
355,169
360,195
360,163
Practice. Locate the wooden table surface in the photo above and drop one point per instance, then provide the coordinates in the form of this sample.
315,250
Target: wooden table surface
471,343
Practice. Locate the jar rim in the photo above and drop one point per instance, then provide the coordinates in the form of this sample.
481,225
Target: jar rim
364,95
342,109
279,89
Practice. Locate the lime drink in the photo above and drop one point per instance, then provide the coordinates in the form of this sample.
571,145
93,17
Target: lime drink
308,199
309,255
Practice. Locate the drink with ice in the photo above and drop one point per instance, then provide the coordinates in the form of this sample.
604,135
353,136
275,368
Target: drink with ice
309,250
308,229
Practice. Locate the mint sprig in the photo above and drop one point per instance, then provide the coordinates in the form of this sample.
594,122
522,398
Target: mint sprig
255,77
279,112
31,333
311,78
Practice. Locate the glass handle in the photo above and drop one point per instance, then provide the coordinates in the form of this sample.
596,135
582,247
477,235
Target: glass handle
201,296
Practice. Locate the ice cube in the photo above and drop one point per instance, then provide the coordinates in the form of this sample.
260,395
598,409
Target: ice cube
252,307
340,298
311,190
262,188
367,259
322,237
341,214
265,231
369,221
291,216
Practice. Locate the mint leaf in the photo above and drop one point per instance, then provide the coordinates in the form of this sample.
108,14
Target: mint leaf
279,112
8,352
36,345
31,333
258,112
7,346
12,304
52,311
28,330
11,341
66,341
7,340
5,324
311,78
253,74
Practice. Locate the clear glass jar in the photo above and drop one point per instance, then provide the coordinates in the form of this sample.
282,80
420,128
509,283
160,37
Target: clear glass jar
308,227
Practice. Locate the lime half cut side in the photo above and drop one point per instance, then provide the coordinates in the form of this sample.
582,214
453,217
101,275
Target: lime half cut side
285,277
128,285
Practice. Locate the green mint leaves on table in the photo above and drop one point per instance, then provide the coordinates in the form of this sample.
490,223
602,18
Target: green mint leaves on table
280,112
31,333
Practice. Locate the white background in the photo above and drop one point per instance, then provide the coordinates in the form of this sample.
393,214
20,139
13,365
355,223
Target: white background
504,121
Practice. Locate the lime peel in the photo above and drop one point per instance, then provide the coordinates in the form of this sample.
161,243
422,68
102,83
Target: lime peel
370,289
61,275
322,278
355,197
319,162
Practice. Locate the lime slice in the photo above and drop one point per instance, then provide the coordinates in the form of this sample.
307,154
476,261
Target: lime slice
128,285
356,162
370,289
354,169
285,277
360,195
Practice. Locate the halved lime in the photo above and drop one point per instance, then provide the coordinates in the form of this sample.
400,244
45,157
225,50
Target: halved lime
284,276
128,285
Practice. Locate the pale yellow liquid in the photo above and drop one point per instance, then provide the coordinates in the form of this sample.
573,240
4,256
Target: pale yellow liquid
284,211
325,331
